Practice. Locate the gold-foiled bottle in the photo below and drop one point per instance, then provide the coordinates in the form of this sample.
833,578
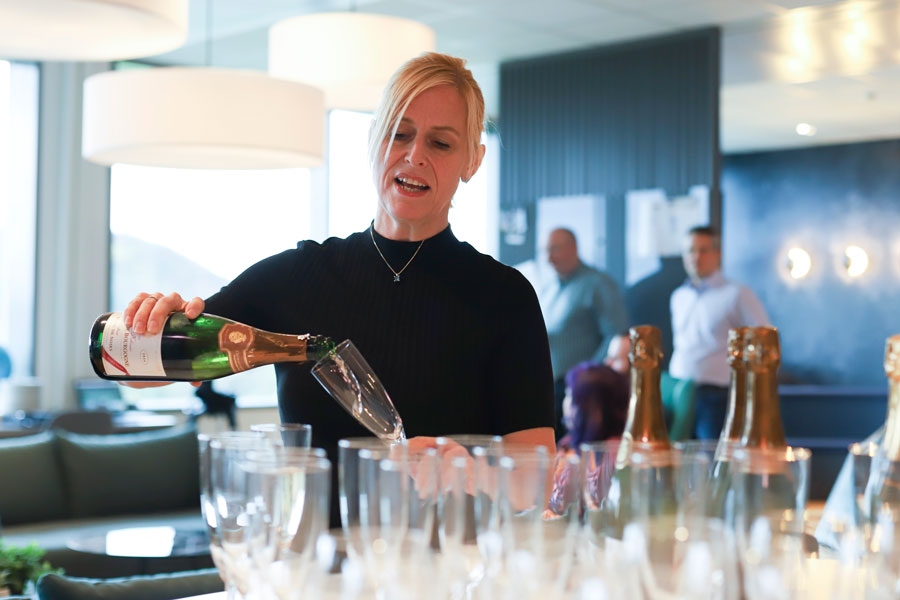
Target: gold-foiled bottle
883,489
762,473
762,424
645,426
730,438
890,443
646,489
737,390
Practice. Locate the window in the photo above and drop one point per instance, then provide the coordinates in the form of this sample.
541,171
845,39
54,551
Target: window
192,231
18,193
351,191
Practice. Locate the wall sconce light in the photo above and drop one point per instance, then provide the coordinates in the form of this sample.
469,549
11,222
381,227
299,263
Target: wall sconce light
856,261
798,263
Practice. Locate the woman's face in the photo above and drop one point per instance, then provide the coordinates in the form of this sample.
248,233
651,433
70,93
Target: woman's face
428,157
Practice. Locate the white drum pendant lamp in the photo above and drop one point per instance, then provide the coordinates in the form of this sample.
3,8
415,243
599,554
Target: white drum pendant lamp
91,30
349,55
202,118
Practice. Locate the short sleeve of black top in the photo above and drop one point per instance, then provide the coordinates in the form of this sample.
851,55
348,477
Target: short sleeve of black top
459,343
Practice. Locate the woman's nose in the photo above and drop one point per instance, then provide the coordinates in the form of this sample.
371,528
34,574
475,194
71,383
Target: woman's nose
415,155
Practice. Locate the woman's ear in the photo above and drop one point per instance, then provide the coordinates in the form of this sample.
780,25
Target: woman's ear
474,165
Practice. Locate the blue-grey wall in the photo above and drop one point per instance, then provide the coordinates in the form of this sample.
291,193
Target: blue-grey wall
821,199
607,120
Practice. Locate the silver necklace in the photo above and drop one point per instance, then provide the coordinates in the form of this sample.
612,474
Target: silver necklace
396,273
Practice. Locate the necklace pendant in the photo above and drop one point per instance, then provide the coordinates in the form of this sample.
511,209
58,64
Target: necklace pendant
396,278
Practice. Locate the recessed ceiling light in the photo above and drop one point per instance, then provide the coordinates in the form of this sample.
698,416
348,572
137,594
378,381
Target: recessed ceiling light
805,129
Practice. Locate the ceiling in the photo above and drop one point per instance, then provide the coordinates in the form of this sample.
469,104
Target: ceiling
834,65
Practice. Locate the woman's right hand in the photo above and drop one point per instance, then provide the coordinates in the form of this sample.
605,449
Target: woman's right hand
147,313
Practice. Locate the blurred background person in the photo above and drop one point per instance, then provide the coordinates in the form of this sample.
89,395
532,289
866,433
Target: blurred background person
583,309
703,309
595,405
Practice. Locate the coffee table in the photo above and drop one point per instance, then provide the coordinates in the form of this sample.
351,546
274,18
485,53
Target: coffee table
148,544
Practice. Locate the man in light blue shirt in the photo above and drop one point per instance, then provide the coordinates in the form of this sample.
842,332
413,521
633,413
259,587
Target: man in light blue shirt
583,309
703,309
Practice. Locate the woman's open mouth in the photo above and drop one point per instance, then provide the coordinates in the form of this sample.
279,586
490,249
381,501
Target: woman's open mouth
411,186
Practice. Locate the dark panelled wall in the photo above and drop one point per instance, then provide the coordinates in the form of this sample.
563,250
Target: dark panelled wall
608,120
821,199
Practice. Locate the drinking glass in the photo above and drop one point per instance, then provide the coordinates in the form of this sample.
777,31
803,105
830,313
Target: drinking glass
456,508
227,504
771,487
351,488
882,533
674,548
561,531
424,473
349,379
298,435
535,522
383,508
207,508
289,492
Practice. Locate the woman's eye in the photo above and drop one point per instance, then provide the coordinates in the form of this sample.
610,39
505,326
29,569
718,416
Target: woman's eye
442,145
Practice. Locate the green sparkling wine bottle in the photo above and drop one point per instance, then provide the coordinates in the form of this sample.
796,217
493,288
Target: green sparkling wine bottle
207,347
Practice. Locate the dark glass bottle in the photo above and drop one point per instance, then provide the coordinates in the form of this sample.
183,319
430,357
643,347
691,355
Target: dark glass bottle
198,349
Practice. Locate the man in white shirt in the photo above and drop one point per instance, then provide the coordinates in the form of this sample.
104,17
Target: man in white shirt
703,309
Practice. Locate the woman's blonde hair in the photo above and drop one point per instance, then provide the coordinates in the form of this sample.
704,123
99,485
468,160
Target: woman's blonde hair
414,77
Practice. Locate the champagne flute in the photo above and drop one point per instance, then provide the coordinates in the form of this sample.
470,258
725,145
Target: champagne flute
514,484
227,505
350,489
384,488
675,548
460,556
771,488
298,435
289,489
349,379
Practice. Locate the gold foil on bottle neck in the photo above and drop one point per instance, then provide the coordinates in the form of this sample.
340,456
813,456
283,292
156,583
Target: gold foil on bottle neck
646,346
892,358
737,337
762,350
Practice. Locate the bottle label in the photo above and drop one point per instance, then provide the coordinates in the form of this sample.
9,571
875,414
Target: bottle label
129,354
236,339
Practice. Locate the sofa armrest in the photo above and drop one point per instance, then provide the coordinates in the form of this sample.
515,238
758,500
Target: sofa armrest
167,586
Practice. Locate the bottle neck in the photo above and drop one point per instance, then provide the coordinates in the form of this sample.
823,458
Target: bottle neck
645,423
763,428
891,442
271,347
737,406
